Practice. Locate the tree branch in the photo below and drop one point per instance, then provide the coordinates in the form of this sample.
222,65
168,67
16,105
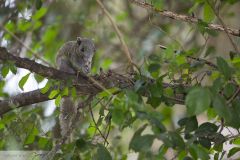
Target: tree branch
119,34
84,84
224,26
23,99
185,18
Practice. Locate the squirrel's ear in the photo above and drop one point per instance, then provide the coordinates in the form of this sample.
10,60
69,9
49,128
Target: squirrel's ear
79,40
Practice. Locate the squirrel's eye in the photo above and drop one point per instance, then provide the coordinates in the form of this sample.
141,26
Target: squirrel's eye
82,49
79,41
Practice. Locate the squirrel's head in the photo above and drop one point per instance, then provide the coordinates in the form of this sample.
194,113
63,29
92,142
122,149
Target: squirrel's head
86,51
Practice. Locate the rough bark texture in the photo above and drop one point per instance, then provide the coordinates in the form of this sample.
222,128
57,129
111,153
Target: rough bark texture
185,18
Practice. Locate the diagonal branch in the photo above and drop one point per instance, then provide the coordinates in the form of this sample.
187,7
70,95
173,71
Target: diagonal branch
83,83
119,34
185,18
23,99
224,26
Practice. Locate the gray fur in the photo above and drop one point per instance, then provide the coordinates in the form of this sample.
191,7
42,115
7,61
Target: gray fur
73,57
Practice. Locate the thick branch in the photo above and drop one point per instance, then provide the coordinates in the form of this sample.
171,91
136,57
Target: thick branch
185,18
85,85
22,99
34,67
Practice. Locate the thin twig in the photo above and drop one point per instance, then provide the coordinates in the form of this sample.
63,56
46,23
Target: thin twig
100,132
233,137
194,58
185,18
119,34
221,126
234,96
108,131
180,101
224,26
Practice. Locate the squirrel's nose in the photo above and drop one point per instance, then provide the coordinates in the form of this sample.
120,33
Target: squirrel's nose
86,68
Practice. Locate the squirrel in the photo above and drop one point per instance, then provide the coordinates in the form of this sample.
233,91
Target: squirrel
73,57
76,56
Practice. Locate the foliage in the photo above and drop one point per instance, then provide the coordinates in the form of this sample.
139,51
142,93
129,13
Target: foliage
183,100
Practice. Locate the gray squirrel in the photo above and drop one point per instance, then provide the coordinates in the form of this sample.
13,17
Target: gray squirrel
76,56
73,57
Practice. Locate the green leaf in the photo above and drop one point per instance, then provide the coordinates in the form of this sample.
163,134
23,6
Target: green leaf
198,100
156,89
216,156
102,153
23,81
107,92
210,50
173,140
203,28
65,91
106,63
42,142
229,89
53,94
158,4
181,59
201,153
207,127
138,84
182,122
236,141
46,88
39,13
154,101
30,139
218,147
155,118
5,70
154,67
182,154
217,85
187,158
82,144
141,143
234,114
74,92
38,78
233,151
132,98
221,108
224,68
205,142
162,150
24,25
38,4
177,140
58,100
37,25
31,136
118,116
191,124
12,68
208,14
